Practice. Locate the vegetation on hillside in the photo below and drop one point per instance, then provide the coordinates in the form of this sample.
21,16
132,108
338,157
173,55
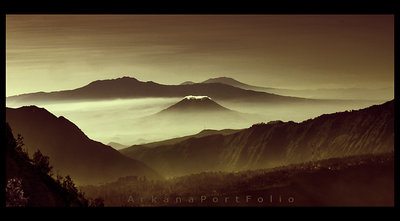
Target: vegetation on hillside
30,182
332,182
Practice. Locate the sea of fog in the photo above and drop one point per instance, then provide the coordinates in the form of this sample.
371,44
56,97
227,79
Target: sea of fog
118,120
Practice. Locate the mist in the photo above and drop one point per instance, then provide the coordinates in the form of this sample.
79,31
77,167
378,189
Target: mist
108,120
298,112
135,121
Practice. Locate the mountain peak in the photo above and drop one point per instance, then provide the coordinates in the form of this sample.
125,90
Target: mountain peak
32,109
125,78
226,80
195,103
120,79
187,83
222,78
191,97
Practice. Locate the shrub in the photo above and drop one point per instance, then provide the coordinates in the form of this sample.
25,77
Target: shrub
42,163
15,193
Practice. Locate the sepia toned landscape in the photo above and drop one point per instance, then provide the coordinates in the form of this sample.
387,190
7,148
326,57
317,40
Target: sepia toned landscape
199,110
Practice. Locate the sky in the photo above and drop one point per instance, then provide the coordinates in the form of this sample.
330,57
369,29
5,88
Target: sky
61,52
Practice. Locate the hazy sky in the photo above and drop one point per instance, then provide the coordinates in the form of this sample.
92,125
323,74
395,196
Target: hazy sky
57,52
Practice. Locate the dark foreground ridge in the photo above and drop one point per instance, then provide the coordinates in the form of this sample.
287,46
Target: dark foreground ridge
70,150
28,185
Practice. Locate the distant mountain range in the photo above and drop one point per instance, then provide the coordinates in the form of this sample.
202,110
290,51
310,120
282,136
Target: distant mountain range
127,87
321,93
365,131
220,89
70,150
229,81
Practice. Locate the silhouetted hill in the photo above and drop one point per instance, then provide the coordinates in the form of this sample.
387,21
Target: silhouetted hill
128,87
365,131
70,150
39,188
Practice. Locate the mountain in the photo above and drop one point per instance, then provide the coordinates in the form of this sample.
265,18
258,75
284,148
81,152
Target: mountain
196,104
116,145
386,93
134,148
234,83
193,114
70,150
187,83
202,133
128,87
39,189
364,131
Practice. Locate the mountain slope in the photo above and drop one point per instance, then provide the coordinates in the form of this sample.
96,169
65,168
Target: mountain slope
39,188
132,150
365,180
365,131
70,150
127,87
116,145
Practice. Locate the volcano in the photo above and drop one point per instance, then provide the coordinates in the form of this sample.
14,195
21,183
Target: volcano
193,114
196,104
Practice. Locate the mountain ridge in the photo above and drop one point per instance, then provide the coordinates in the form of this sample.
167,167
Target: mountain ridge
364,131
317,93
234,83
70,150
128,87
39,189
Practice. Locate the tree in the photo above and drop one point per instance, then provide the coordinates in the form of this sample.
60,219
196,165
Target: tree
42,162
69,185
42,168
19,142
98,202
75,197
15,193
